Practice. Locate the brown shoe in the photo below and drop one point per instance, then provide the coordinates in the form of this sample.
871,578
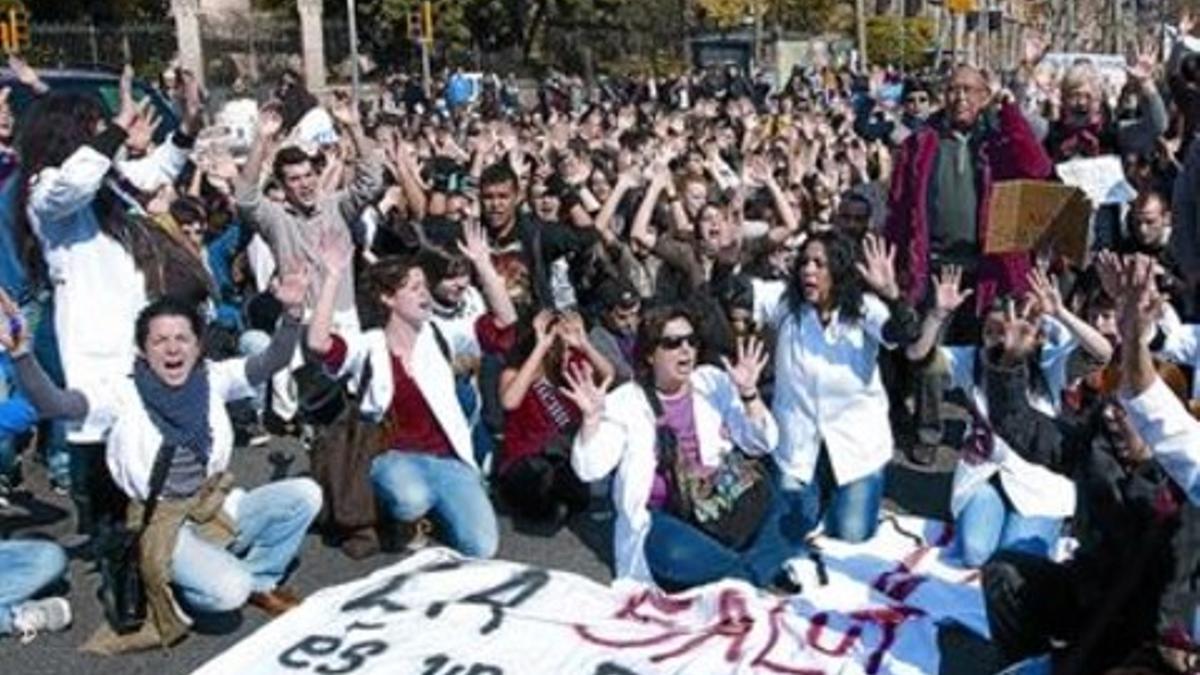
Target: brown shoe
274,602
361,544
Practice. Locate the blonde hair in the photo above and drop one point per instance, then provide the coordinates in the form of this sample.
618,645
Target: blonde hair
1081,74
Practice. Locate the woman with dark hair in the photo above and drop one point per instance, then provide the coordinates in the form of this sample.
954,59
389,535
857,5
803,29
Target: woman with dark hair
540,421
831,319
698,414
427,466
78,201
1010,493
169,443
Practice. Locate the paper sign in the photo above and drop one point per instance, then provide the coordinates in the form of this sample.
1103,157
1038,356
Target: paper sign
1028,215
1101,178
1110,66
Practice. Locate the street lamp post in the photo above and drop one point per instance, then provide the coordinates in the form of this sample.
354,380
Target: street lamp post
350,13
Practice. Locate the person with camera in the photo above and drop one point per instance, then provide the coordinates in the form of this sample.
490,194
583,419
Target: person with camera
683,442
199,540
534,470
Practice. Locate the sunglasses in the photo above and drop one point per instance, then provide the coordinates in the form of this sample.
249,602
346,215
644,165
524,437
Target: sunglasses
673,342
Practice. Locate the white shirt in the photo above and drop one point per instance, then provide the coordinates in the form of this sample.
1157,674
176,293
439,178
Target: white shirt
98,291
828,387
459,328
1034,490
133,440
1172,434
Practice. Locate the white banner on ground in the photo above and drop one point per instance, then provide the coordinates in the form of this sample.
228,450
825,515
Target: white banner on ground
870,608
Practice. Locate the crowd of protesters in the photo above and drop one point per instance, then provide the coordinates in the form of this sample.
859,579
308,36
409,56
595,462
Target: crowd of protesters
692,300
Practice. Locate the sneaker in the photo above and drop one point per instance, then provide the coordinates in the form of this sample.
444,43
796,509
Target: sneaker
420,535
256,435
49,615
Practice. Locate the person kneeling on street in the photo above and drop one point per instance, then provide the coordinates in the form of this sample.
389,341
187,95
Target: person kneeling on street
208,547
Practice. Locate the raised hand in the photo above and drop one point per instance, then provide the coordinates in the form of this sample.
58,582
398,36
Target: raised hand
948,292
1187,22
128,112
26,75
1019,336
1142,64
1110,270
141,130
570,330
543,328
290,287
1140,301
342,110
1033,49
474,244
14,334
1044,290
270,122
583,391
751,359
190,101
878,268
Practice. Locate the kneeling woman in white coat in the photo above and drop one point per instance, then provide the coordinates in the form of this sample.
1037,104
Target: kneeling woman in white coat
429,466
171,438
710,413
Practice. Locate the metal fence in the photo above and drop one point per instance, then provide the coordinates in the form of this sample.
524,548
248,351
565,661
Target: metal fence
148,46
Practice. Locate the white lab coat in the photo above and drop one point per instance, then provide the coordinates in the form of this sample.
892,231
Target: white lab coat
1171,432
1034,490
828,388
98,291
432,375
624,442
134,441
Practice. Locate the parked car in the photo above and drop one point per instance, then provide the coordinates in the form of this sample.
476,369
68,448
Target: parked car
102,84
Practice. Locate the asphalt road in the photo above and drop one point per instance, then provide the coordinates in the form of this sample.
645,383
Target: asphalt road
579,547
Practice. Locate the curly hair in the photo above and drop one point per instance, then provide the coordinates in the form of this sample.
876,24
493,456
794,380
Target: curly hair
847,288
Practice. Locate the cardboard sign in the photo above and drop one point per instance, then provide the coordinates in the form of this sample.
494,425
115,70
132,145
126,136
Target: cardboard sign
1036,216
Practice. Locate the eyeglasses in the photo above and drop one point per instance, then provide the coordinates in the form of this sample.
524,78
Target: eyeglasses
673,342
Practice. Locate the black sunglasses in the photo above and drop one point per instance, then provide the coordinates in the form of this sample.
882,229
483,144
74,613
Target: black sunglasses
673,342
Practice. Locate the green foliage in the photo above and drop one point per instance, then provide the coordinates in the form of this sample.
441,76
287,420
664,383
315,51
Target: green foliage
892,39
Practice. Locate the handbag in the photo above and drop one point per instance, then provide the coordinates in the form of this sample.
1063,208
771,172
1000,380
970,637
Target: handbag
122,592
341,464
728,502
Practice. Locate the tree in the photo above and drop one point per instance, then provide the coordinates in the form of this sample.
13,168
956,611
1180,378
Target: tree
895,39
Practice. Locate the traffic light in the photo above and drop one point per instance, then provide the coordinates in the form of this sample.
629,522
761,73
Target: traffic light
420,22
415,24
14,29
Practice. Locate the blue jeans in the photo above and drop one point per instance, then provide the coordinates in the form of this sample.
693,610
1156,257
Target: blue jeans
26,567
988,523
271,523
850,512
412,484
680,555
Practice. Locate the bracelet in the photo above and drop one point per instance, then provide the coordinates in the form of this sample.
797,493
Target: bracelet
749,398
